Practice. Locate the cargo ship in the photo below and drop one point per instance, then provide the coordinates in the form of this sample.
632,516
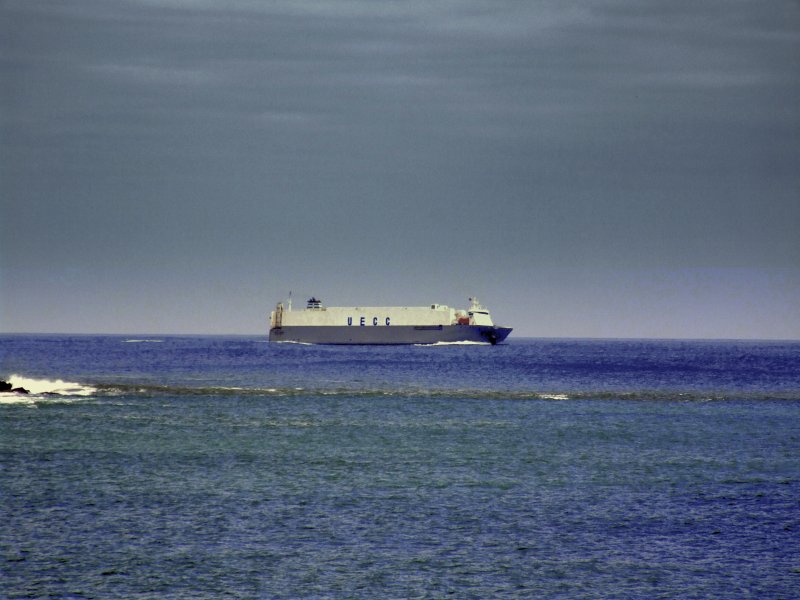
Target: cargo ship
437,323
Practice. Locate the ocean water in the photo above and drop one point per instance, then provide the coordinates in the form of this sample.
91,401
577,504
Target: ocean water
213,467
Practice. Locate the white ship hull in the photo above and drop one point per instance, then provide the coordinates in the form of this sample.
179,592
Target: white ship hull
317,324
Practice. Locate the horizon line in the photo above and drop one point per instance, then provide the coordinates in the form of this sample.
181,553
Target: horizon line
519,337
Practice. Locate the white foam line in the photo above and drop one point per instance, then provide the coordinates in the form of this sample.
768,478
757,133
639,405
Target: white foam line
14,398
553,396
461,343
47,386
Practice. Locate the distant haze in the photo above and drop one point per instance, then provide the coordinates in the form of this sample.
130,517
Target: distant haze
604,168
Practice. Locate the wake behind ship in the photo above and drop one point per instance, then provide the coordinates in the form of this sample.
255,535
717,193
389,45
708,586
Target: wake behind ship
318,324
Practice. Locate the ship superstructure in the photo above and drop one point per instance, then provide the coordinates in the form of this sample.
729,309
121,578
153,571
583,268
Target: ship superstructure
319,324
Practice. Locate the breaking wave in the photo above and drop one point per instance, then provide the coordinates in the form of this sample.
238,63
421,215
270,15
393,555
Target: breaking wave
38,388
13,398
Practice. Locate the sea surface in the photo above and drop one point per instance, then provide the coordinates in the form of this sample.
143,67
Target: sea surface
229,467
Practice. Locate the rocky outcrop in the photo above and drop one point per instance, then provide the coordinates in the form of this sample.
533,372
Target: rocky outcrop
6,387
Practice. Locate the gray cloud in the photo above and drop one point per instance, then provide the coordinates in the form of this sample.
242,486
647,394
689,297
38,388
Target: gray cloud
461,146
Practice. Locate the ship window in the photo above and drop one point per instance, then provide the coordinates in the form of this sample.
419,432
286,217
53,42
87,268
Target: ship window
433,306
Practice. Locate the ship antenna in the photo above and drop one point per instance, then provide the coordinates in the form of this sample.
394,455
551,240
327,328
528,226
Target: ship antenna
290,300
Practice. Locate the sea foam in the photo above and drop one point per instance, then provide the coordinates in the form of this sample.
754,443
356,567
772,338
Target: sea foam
460,343
48,386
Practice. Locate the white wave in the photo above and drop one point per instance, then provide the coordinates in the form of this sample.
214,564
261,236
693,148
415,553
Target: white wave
142,341
553,396
14,398
291,342
48,386
461,343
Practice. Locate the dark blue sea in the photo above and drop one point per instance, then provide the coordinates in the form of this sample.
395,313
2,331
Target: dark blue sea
228,467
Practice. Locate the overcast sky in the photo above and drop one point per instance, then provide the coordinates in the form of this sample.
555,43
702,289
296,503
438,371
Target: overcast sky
607,168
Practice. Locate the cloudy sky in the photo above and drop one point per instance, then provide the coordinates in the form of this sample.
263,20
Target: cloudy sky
607,168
